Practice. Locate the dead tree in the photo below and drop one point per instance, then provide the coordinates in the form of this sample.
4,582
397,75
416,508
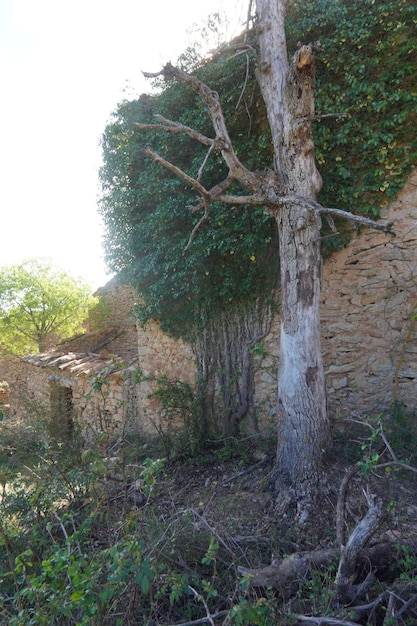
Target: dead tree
289,193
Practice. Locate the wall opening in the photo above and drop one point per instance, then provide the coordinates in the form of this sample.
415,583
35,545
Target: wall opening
4,396
62,409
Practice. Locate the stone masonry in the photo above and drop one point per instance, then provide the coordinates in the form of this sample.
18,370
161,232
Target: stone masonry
369,341
368,310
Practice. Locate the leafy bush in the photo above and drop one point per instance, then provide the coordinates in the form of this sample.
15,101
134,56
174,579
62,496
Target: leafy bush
80,545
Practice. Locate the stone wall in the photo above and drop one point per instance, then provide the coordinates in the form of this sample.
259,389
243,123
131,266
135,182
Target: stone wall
110,409
369,300
161,355
369,340
368,304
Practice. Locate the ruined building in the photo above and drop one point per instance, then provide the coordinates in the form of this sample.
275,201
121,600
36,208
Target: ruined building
104,378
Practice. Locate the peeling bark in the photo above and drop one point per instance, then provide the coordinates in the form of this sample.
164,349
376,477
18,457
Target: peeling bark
303,428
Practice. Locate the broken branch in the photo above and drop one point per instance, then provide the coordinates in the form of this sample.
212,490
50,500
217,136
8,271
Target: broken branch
324,621
197,226
357,541
358,220
203,165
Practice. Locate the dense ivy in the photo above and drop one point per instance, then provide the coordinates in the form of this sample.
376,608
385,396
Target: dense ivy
366,70
233,257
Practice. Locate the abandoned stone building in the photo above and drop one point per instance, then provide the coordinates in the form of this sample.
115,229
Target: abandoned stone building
100,378
104,378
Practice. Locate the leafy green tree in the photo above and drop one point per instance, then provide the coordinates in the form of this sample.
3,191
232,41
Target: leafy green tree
39,304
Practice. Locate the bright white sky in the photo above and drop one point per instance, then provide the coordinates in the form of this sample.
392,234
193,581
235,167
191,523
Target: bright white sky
64,66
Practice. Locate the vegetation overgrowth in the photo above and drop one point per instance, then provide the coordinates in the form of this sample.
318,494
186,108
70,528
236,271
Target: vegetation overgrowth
119,535
216,285
176,531
365,147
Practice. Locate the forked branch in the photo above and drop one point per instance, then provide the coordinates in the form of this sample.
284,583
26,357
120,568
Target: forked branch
266,188
248,179
179,172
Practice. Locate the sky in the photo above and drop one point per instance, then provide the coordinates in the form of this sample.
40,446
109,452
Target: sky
64,66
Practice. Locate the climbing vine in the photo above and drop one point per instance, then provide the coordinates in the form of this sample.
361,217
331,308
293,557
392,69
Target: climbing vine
365,142
366,71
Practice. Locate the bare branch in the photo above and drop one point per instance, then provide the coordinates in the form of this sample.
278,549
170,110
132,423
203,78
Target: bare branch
197,226
325,115
203,165
358,220
207,196
204,620
324,621
254,200
340,508
242,91
175,127
217,190
404,466
215,194
387,443
153,74
356,542
248,179
179,172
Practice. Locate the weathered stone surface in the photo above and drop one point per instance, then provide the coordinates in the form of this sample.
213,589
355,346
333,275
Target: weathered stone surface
341,369
340,383
369,340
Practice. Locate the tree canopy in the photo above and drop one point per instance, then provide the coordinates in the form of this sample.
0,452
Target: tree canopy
365,73
40,303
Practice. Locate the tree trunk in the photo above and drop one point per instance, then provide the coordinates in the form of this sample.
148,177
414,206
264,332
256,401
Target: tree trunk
287,88
303,428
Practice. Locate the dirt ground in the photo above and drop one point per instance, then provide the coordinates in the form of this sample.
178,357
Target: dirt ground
235,499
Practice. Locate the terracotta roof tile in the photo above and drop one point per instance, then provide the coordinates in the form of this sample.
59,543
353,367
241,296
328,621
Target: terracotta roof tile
75,363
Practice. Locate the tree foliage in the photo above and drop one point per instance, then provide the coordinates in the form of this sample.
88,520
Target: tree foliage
366,71
40,303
